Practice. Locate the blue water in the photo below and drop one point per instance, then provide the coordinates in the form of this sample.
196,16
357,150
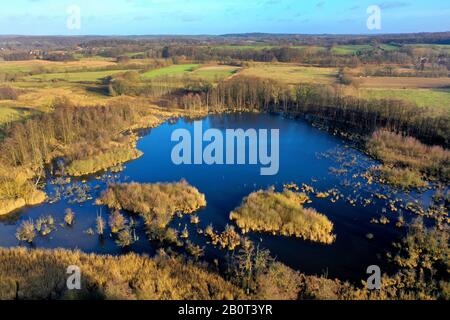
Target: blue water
306,156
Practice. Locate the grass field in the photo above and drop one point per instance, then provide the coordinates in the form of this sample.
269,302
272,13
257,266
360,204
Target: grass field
32,65
443,47
88,76
175,70
40,95
404,82
212,73
292,74
10,114
350,49
438,98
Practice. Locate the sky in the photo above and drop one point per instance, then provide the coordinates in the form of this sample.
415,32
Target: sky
193,17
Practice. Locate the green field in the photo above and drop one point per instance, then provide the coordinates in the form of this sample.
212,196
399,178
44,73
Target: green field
389,47
88,76
350,49
437,98
175,70
443,47
40,66
213,73
291,73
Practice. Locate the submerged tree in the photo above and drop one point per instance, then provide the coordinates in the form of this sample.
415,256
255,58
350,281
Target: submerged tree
26,231
100,225
124,238
117,221
69,218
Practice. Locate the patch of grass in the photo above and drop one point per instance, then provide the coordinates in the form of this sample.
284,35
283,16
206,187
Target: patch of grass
401,152
174,70
443,47
12,114
212,73
54,66
291,74
438,98
350,49
400,177
389,47
88,76
283,213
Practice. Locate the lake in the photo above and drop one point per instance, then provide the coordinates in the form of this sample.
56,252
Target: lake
307,155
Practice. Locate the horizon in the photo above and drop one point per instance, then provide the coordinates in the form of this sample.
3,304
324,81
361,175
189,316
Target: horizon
201,17
222,35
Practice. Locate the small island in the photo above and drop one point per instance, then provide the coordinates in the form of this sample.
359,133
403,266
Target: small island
283,213
157,199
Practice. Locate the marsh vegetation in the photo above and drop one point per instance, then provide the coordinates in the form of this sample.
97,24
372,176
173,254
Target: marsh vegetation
283,213
407,161
386,93
156,203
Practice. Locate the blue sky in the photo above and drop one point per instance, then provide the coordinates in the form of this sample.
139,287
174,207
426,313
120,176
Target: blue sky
138,17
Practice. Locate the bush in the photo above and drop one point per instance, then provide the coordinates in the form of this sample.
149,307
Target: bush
100,225
117,221
69,217
124,238
26,231
8,93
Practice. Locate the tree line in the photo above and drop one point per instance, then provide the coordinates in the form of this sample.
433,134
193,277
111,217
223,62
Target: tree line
40,139
322,103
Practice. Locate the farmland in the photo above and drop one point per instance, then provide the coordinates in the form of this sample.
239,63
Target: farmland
86,76
436,98
175,70
291,73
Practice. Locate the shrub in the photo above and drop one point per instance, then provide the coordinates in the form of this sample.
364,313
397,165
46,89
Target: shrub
69,218
117,221
124,238
100,225
26,231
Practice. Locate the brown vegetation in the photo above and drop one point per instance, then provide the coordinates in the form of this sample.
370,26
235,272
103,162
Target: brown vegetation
156,203
406,160
159,199
283,213
41,274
